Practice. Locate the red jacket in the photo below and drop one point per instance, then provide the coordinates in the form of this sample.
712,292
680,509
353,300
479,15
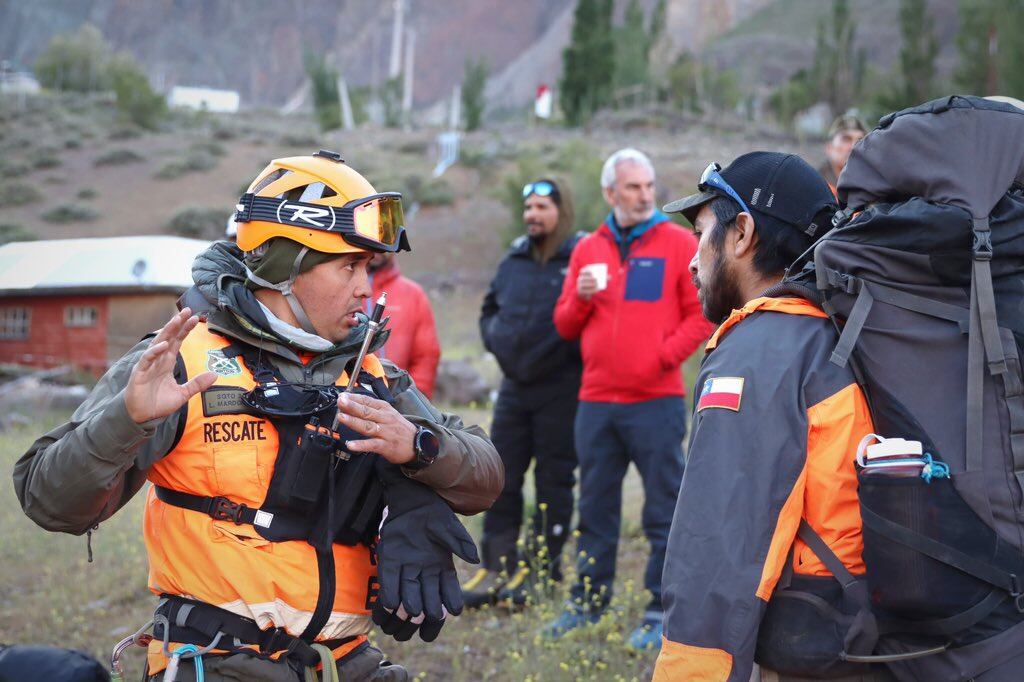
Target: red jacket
635,334
413,344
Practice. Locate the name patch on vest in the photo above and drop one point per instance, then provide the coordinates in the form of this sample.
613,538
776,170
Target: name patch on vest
233,432
224,400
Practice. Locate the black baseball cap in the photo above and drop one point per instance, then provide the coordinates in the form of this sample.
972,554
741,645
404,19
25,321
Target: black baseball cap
782,191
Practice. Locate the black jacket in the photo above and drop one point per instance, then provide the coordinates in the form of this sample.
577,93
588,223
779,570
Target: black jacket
516,321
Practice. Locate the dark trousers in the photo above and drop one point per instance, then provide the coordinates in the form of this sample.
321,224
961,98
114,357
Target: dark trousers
608,437
532,424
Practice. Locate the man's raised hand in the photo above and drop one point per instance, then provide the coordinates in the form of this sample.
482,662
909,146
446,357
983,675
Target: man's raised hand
152,390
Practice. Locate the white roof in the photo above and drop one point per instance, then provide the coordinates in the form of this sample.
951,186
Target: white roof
99,263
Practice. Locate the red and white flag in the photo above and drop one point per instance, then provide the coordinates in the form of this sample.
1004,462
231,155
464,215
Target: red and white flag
724,392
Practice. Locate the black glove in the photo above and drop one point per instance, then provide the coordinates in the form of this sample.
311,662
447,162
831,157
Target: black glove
414,558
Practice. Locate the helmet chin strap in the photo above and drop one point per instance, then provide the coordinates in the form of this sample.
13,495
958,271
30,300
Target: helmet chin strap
285,288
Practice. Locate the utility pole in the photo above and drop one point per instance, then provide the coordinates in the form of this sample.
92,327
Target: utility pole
407,74
395,67
348,121
992,72
455,110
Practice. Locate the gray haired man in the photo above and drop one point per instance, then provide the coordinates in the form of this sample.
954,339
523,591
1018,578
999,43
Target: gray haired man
629,299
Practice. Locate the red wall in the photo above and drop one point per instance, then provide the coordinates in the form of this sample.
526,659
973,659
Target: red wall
50,343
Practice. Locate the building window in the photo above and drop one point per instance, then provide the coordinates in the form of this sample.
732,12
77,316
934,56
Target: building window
80,316
14,323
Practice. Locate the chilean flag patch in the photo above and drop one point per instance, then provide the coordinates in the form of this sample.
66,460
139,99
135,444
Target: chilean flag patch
724,392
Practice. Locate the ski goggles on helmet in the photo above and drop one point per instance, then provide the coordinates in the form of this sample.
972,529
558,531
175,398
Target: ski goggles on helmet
712,180
541,188
375,223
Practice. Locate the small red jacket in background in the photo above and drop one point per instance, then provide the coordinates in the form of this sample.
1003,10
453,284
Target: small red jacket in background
635,334
413,344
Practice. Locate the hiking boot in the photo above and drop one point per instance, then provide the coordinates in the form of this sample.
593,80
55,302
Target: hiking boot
647,637
482,588
567,622
518,590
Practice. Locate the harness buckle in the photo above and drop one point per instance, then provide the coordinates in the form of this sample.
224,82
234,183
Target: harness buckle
226,510
277,639
982,247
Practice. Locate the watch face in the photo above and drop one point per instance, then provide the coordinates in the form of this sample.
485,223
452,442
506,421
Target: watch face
427,446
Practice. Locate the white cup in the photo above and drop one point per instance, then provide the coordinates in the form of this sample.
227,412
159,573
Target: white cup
599,271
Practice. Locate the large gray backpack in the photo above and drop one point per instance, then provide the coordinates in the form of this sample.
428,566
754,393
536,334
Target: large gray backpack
924,277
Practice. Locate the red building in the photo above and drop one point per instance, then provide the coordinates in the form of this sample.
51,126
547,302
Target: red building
85,302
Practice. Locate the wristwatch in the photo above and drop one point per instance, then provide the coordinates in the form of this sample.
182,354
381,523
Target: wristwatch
426,447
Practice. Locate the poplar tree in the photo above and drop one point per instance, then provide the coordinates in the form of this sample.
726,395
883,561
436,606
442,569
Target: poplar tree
631,48
474,80
588,62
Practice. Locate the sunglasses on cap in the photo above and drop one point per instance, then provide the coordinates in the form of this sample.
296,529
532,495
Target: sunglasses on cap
542,188
712,179
376,222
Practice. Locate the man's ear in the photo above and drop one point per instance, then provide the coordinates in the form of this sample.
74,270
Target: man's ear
745,233
609,195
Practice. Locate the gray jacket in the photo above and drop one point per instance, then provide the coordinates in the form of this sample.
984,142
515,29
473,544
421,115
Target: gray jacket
80,473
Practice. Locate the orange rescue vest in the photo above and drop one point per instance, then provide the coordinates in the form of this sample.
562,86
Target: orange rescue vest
230,565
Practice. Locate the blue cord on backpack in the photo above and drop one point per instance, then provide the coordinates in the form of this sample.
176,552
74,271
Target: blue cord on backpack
933,469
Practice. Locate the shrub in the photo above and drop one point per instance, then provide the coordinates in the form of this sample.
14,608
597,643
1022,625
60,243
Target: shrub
136,99
10,232
125,131
18,194
88,193
74,61
436,192
194,161
207,147
224,133
299,140
117,157
416,147
199,223
70,213
46,157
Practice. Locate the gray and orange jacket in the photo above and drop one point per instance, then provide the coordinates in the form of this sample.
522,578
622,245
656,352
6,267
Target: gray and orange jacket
776,428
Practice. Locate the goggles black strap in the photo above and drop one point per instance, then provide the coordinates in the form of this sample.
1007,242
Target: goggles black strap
294,213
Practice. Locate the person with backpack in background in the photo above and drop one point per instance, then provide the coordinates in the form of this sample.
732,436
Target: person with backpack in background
536,405
846,131
769,498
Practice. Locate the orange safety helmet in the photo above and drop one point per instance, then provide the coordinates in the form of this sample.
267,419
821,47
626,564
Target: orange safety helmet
321,203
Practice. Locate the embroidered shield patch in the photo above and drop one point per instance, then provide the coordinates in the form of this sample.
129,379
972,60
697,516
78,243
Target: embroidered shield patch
225,367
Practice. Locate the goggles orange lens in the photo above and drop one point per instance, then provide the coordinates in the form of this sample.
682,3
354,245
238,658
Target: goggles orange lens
379,219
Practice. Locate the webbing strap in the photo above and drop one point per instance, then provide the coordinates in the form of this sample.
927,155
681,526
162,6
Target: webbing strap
944,626
825,554
919,304
981,282
941,552
854,325
975,389
1013,391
